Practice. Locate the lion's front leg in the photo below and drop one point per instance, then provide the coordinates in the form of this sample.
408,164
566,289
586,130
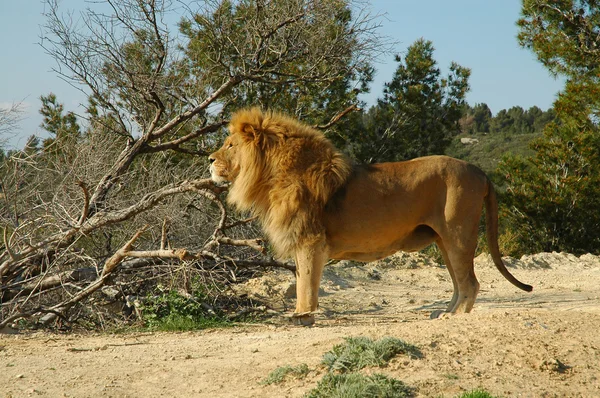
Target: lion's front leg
310,261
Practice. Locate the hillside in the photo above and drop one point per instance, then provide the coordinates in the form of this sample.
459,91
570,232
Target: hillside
487,149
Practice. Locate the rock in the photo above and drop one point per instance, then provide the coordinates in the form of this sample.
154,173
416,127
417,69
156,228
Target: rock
469,141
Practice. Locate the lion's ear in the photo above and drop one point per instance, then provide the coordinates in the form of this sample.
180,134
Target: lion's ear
254,134
248,131
248,123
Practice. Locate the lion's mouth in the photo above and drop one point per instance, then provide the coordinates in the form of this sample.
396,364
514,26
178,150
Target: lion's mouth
216,177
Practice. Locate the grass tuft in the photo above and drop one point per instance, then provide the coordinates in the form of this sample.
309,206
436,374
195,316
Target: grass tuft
280,374
356,385
360,352
477,394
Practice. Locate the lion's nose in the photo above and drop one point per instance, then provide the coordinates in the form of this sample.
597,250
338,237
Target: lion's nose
211,159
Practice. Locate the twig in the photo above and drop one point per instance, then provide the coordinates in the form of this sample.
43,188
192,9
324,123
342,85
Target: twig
337,117
13,256
240,222
86,204
163,234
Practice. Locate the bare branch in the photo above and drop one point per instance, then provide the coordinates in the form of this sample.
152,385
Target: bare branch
86,203
227,85
336,118
13,256
163,234
176,143
255,244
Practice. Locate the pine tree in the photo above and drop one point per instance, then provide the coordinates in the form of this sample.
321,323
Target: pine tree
63,126
419,112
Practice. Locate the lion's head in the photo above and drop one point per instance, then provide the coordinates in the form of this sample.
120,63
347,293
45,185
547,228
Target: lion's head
281,170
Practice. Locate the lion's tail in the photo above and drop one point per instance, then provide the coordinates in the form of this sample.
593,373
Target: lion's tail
491,218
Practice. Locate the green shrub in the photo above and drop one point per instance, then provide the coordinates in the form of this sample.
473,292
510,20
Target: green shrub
355,353
171,311
359,352
356,385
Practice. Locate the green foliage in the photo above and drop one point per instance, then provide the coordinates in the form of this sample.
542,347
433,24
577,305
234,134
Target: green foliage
513,121
553,196
418,114
171,311
516,120
563,35
356,385
288,48
284,372
481,116
63,126
360,352
344,359
491,148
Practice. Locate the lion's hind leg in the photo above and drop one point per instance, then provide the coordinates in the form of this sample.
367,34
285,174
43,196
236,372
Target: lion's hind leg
468,287
466,284
442,248
459,261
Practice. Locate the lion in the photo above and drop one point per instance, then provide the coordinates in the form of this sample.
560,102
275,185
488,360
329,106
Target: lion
315,205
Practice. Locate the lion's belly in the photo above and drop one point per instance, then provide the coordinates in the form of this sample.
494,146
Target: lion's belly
361,256
358,247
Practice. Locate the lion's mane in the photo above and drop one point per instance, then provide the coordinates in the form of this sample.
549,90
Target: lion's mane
288,172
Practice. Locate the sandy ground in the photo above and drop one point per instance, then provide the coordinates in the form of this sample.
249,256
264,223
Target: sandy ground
540,344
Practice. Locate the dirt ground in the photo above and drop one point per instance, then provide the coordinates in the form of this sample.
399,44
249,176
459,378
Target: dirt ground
514,344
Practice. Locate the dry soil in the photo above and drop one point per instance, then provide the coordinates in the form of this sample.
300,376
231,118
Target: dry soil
540,344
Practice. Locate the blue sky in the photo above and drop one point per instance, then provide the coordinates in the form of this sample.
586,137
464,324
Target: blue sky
477,34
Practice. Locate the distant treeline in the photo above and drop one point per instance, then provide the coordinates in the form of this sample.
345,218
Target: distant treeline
516,120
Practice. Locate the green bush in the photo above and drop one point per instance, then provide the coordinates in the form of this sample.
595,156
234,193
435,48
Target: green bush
354,354
356,385
171,311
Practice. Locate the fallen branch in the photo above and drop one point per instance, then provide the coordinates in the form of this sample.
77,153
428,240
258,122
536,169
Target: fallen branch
119,256
52,281
103,218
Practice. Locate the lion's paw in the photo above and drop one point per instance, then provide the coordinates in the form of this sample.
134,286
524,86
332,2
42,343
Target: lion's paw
303,319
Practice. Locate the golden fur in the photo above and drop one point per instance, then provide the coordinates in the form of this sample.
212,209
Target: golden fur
287,173
314,205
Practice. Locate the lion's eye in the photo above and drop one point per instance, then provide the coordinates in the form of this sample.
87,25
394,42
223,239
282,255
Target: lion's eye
230,146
